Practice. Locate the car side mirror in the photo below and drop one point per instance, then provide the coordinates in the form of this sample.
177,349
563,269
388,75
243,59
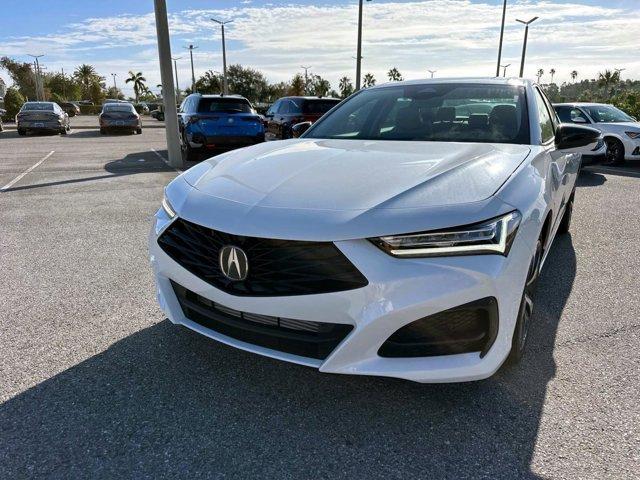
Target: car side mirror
572,138
299,128
579,120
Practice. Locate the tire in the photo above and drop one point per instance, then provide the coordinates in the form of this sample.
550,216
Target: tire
64,130
22,132
615,151
103,131
139,131
188,153
565,223
521,330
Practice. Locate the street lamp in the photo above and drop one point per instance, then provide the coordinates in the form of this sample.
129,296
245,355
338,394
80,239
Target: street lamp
191,48
504,69
504,12
619,71
115,88
524,45
39,85
432,72
175,69
306,79
225,88
359,48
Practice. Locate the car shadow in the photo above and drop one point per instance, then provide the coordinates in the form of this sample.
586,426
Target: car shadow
166,402
588,178
133,163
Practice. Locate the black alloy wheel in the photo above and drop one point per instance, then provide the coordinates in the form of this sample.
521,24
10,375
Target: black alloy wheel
615,151
525,311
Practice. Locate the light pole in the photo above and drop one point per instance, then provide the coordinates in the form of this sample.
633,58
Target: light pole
225,87
306,78
359,48
168,94
619,71
115,87
191,48
39,85
175,69
524,45
504,69
432,72
504,12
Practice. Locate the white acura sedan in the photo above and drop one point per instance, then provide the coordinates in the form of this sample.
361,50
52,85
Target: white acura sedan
401,235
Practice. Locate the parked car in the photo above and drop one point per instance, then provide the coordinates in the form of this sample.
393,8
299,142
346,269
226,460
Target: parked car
42,116
70,108
288,111
215,123
158,114
3,112
398,236
119,116
621,132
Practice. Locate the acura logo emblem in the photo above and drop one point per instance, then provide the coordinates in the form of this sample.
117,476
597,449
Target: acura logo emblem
234,263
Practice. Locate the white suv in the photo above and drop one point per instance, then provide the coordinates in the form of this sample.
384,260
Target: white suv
621,132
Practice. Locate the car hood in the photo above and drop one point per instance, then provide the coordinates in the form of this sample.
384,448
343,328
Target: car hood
347,186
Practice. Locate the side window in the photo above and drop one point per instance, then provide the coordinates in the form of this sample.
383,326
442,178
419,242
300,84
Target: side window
546,125
182,106
285,107
578,116
273,108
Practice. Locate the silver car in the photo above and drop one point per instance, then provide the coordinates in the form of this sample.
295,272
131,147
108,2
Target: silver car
42,116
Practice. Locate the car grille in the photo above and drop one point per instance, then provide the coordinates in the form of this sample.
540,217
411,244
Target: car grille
276,267
298,337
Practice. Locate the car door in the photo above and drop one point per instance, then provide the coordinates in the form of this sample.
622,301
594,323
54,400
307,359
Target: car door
270,131
282,117
182,112
563,168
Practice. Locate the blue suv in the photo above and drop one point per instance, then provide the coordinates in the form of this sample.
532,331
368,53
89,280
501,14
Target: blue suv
216,123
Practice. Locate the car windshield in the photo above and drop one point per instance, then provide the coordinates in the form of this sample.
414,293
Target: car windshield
38,106
117,107
447,112
607,114
317,106
223,105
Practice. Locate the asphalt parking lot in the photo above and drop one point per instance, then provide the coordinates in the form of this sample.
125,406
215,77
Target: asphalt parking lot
96,383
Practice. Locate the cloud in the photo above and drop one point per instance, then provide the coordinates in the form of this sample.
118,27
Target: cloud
455,37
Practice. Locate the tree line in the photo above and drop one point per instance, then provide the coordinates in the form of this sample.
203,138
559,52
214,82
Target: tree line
85,83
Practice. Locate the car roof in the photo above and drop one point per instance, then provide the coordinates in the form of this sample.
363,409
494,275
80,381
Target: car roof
210,95
40,103
479,80
311,97
579,104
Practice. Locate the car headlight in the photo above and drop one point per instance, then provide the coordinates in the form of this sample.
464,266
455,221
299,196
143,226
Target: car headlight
633,135
494,236
166,206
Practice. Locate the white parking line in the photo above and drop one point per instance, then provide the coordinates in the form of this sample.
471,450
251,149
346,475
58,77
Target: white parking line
165,160
19,177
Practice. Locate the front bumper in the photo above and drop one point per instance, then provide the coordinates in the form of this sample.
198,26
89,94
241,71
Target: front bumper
631,148
399,292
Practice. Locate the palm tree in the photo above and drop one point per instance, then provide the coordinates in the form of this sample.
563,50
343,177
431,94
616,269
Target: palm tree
345,86
574,75
138,83
394,75
86,75
608,80
552,72
368,80
540,74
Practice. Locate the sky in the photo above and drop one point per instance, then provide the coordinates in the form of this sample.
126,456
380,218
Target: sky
454,37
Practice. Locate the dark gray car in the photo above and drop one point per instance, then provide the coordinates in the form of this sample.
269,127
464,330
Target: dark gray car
42,116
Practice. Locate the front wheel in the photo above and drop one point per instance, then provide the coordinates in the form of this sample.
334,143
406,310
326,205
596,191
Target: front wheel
22,132
615,151
525,312
139,131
